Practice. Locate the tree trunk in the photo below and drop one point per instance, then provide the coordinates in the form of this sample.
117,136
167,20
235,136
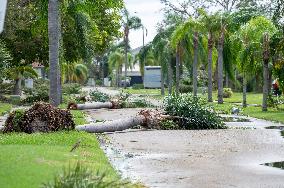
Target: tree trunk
126,55
97,105
18,87
170,78
53,35
113,126
265,70
177,68
162,83
227,80
244,91
210,85
117,78
194,65
220,67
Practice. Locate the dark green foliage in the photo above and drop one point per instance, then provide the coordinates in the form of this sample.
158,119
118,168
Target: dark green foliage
138,86
82,177
6,88
194,112
97,96
227,92
73,88
185,88
99,82
42,117
169,125
39,93
186,85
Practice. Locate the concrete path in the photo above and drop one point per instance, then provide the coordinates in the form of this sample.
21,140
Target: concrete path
197,159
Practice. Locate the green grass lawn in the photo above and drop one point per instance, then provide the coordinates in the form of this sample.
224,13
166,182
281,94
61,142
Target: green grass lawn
143,91
30,160
271,114
5,108
252,98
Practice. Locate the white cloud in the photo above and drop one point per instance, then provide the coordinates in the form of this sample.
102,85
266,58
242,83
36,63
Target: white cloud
150,13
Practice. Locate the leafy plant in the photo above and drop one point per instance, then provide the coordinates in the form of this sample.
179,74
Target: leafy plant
194,112
97,96
82,177
227,92
72,88
169,125
39,93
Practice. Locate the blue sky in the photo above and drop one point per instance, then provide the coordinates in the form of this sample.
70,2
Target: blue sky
150,13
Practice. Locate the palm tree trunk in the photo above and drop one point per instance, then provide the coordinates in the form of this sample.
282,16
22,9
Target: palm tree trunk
162,83
210,51
244,90
53,35
17,87
116,77
126,56
195,62
177,68
170,78
265,70
227,80
220,67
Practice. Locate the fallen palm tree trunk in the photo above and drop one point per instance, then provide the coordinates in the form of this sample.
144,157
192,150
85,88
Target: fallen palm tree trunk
96,105
150,119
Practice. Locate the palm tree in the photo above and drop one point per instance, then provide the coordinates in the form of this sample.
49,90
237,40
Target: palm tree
186,39
115,61
210,24
129,22
266,57
53,35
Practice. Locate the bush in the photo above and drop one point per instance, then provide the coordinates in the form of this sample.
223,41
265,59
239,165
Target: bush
185,88
97,96
99,82
39,93
194,112
72,88
138,86
42,117
7,88
227,92
81,177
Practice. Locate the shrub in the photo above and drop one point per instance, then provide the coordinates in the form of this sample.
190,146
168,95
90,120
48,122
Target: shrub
42,117
39,93
227,92
185,88
99,82
138,86
169,125
81,177
97,96
6,88
72,88
194,112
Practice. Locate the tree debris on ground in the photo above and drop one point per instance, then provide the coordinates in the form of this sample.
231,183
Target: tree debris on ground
149,119
41,117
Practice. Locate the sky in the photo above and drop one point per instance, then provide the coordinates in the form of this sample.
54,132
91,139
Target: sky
150,13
